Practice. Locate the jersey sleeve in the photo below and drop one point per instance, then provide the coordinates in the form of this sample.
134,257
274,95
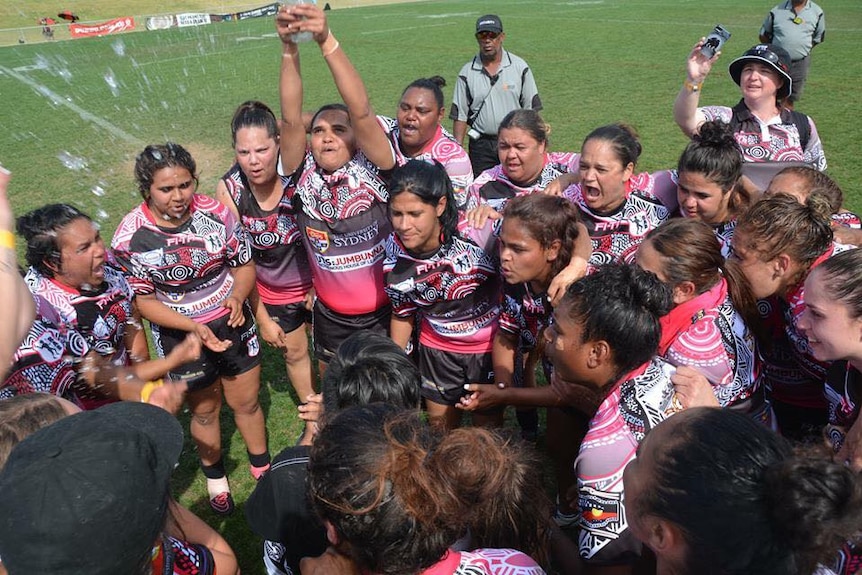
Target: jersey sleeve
814,151
711,113
132,264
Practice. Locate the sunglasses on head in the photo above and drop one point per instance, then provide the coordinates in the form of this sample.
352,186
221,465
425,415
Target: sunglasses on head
486,35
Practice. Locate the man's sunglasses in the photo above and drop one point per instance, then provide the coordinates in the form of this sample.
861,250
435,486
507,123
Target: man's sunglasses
486,35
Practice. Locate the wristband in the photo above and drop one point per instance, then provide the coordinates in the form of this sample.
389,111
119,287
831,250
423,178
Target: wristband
149,388
7,239
330,45
692,87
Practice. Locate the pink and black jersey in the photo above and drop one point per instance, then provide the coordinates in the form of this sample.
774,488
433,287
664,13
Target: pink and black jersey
443,148
43,362
493,186
844,398
724,234
485,562
847,220
283,273
615,236
344,223
789,368
178,557
708,334
99,314
455,291
777,140
525,315
187,267
642,400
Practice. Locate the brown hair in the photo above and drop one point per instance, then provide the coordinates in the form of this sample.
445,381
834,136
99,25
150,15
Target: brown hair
817,182
378,476
23,415
546,219
691,252
781,225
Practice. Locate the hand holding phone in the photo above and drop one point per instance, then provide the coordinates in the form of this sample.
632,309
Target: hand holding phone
714,41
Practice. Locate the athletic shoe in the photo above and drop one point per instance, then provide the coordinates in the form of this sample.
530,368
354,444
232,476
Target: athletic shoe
221,500
222,503
258,472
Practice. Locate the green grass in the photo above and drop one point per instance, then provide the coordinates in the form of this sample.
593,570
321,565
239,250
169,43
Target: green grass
595,62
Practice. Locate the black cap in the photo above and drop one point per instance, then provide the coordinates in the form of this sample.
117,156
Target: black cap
88,494
489,23
771,55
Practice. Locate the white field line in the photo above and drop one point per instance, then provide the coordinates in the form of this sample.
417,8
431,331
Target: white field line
59,100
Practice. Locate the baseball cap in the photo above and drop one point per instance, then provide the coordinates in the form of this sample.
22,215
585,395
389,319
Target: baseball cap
774,56
88,494
489,23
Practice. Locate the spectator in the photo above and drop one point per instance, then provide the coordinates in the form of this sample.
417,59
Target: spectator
797,26
491,85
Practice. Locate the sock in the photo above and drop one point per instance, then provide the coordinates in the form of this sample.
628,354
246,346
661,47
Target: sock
214,471
261,460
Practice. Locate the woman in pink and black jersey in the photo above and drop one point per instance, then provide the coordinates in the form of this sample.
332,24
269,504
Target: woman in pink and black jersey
260,198
445,274
709,181
711,326
526,166
416,133
338,193
189,261
617,207
778,243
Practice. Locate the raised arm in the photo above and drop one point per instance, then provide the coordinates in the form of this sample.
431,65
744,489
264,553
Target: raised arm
685,111
293,140
21,307
370,137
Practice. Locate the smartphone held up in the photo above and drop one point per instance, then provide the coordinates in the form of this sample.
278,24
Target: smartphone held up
714,41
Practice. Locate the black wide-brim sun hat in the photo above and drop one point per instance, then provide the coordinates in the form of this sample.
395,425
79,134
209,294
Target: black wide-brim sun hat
773,56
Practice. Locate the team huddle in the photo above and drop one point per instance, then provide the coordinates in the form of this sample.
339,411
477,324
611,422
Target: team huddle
682,330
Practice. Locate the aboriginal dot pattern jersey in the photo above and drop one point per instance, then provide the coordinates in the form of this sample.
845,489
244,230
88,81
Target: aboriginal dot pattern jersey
187,267
100,314
642,400
344,224
177,557
283,273
493,186
616,235
724,234
485,562
789,368
774,141
43,362
443,148
708,334
456,290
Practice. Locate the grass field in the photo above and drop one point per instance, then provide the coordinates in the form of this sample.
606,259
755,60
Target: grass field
75,113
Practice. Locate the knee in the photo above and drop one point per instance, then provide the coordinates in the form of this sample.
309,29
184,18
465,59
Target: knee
205,417
295,353
245,406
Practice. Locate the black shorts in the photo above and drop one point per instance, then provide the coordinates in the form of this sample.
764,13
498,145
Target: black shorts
444,373
330,328
288,316
239,358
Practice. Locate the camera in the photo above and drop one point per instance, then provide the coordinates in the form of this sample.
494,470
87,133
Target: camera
473,134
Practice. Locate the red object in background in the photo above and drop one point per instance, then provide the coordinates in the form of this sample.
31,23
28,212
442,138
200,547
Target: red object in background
67,15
